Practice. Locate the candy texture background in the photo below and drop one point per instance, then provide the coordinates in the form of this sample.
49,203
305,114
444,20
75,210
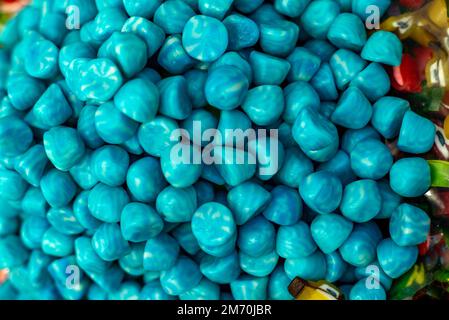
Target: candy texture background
94,205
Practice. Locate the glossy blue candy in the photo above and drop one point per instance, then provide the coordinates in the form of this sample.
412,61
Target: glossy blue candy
82,212
285,207
249,288
196,81
340,166
58,188
141,8
33,203
52,108
174,99
87,258
12,186
128,291
215,8
86,127
110,165
64,147
330,231
264,104
388,113
172,16
229,122
186,239
278,285
410,177
296,166
23,91
259,266
353,110
177,204
64,221
15,136
175,282
409,225
321,191
247,6
68,288
109,243
32,231
106,203
140,222
256,237
153,291
299,95
132,263
31,164
417,134
371,159
267,69
352,137
41,58
324,84
221,270
238,60
154,136
346,65
347,31
361,201
82,172
321,48
247,200
205,290
360,7
383,47
396,260
295,241
373,73
317,18
360,291
278,37
317,137
57,244
235,166
145,180
13,252
199,123
149,32
161,253
172,56
304,64
242,31
74,51
375,274
390,200
107,21
335,266
312,267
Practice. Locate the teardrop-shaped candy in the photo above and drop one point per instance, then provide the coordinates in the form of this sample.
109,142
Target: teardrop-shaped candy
409,225
361,201
410,177
347,32
353,110
330,231
321,191
312,267
383,47
417,134
177,204
396,260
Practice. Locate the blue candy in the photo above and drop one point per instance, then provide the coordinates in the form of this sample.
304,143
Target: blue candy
409,225
410,177
417,134
361,201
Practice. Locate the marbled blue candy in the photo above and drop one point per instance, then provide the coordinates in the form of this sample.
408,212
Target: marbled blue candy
278,37
336,266
371,159
340,166
346,65
205,290
353,110
57,244
417,134
267,69
264,104
295,241
154,136
361,200
296,166
172,16
324,84
149,32
242,32
174,99
285,207
318,16
347,31
360,291
58,188
390,200
173,57
410,177
396,260
109,243
186,239
235,166
299,95
110,165
82,172
32,231
175,282
249,288
409,225
15,136
259,266
256,237
177,204
87,258
383,47
64,221
141,8
321,191
352,137
140,222
73,51
221,270
196,81
373,73
388,113
145,180
106,203
330,231
312,267
52,108
161,253
82,212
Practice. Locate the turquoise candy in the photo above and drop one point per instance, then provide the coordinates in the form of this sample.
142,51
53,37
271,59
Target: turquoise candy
235,166
377,275
247,200
33,203
154,291
296,166
161,253
205,290
247,6
213,224
298,96
242,32
330,231
304,65
174,99
87,258
58,188
12,186
321,48
268,70
180,165
388,113
390,200
110,165
138,99
106,203
199,123
226,87
221,270
347,31
31,164
317,18
96,293
360,291
340,166
132,263
52,108
154,136
74,51
82,172
150,75
215,8
57,244
172,16
64,147
184,235
13,252
417,134
359,249
317,137
259,266
312,267
41,57
249,288
264,104
109,243
174,281
24,91
324,84
172,56
141,8
234,59
205,38
37,267
373,73
291,8
145,179
383,47
346,65
359,7
140,222
58,270
107,21
410,177
204,191
295,241
82,212
371,159
256,237
64,221
32,231
8,226
86,127
196,81
128,291
278,37
321,191
229,122
15,136
409,225
177,204
109,280
361,201
351,137
396,260
112,125
278,285
94,80
285,207
336,266
353,110
130,61
149,32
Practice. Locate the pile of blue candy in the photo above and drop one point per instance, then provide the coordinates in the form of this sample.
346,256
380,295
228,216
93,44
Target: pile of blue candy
93,206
